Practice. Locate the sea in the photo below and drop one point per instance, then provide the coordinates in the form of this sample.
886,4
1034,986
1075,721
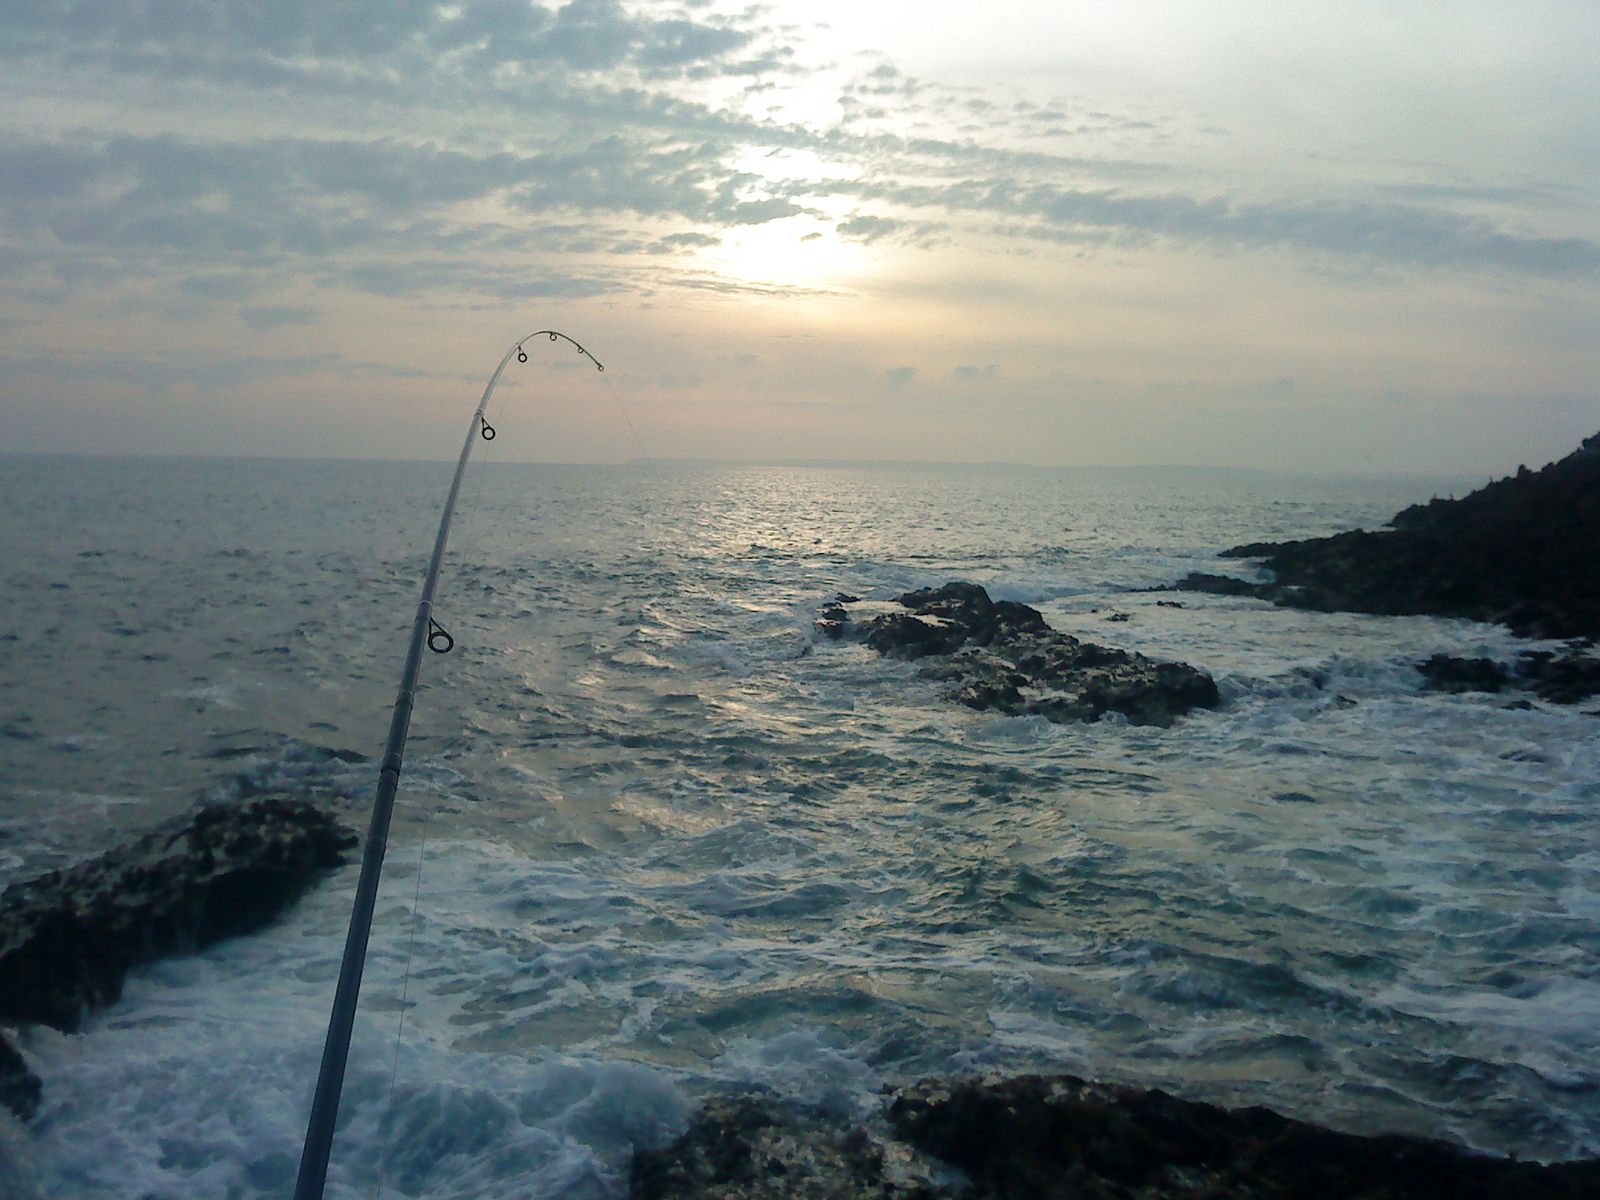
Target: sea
655,840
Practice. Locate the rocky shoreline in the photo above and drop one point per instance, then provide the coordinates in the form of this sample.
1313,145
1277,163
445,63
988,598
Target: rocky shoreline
1520,551
1037,1137
69,938
1002,656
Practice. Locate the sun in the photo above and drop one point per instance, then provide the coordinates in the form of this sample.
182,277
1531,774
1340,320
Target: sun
794,252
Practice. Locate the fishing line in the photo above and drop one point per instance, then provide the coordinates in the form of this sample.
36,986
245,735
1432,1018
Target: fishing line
424,630
638,441
467,550
386,1124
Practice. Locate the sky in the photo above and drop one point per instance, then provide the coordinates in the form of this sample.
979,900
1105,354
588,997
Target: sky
1353,236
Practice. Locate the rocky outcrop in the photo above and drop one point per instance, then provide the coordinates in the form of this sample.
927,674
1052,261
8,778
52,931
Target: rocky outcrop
1001,655
69,938
752,1145
1519,551
1049,1137
1564,677
1059,1137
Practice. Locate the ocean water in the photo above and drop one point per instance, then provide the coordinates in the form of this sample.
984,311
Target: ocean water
655,840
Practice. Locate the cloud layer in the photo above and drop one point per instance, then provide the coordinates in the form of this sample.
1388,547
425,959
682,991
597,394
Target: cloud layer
272,161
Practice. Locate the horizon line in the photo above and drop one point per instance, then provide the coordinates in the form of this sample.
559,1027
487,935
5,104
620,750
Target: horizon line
819,462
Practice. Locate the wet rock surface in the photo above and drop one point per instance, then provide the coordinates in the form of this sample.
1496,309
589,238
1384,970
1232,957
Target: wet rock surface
1519,551
1059,1137
1001,655
20,1088
1445,673
69,938
753,1145
1564,677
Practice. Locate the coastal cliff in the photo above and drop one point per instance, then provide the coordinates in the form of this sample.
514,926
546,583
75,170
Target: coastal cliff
1521,551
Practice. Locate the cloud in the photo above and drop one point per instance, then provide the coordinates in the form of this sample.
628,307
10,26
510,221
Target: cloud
1383,234
868,228
381,216
689,240
160,373
363,37
518,146
974,374
274,316
899,377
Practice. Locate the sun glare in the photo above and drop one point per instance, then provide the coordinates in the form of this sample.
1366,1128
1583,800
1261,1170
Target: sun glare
797,252
801,251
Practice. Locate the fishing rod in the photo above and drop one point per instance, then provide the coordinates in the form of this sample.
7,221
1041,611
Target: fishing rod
424,630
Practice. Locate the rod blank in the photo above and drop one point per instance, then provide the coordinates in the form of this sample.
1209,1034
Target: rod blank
336,1049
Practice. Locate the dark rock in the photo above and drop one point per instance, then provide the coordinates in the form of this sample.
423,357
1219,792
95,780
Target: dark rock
1519,551
751,1145
20,1088
1442,673
1063,1138
1223,585
1564,677
1003,656
1051,1138
832,621
69,938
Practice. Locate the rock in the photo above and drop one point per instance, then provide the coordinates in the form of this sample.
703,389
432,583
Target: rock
1564,677
1223,585
69,938
1519,551
1054,1137
1059,1137
833,619
1002,655
753,1145
1442,673
20,1088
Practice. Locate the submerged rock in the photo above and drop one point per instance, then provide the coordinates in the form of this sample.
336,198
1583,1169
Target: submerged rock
1001,655
1562,678
20,1088
69,938
1446,673
1037,1137
1519,551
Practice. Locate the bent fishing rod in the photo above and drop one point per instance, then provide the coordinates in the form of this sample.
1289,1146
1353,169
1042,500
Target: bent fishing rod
424,630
